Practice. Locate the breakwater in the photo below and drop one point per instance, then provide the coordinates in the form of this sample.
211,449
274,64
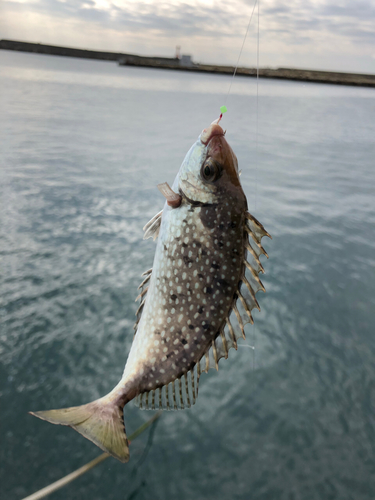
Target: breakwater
185,64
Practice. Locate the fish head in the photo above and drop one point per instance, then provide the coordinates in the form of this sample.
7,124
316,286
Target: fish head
209,171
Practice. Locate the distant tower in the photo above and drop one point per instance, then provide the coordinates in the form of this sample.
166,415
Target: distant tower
178,50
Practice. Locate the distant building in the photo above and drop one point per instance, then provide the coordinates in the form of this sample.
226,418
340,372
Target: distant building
186,60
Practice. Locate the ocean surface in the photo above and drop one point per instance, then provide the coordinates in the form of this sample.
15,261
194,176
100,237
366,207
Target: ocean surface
83,145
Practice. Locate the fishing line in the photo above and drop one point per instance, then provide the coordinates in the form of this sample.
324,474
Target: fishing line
239,56
257,116
148,446
256,150
256,155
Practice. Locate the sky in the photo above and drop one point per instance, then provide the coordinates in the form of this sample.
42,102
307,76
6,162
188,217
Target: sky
313,34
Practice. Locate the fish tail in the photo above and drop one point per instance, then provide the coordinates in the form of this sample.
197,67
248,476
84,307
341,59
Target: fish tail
101,421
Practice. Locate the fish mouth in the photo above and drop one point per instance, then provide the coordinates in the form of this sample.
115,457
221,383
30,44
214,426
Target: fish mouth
218,148
208,133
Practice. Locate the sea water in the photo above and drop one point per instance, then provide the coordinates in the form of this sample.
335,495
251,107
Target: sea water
83,145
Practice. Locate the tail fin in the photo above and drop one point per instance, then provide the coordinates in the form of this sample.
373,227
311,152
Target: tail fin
101,421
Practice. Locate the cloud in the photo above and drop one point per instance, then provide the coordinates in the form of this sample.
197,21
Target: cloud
354,21
184,18
211,30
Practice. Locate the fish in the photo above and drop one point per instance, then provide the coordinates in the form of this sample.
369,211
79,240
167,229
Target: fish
194,302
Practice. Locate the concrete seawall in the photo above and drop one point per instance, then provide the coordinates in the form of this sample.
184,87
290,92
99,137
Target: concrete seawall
338,78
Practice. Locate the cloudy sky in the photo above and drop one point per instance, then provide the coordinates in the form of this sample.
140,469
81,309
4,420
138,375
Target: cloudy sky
317,34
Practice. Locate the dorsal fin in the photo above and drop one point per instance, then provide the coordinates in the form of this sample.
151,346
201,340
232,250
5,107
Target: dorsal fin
152,227
182,392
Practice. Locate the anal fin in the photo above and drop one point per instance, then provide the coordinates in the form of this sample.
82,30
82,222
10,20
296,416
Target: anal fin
177,395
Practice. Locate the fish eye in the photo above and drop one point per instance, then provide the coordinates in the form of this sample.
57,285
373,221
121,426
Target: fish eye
211,170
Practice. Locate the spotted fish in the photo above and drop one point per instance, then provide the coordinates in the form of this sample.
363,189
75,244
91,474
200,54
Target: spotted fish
195,300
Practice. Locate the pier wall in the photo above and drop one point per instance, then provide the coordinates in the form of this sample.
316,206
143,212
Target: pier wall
332,77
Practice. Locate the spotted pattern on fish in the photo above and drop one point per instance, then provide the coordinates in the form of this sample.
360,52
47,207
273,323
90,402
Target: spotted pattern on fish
191,288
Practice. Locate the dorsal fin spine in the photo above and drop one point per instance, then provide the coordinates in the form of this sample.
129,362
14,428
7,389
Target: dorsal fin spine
207,362
258,244
142,294
140,306
151,221
240,322
214,352
246,307
251,291
231,332
224,341
144,281
152,227
256,277
259,226
250,249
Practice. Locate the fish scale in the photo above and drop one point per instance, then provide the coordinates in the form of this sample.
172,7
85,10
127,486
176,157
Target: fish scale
194,302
